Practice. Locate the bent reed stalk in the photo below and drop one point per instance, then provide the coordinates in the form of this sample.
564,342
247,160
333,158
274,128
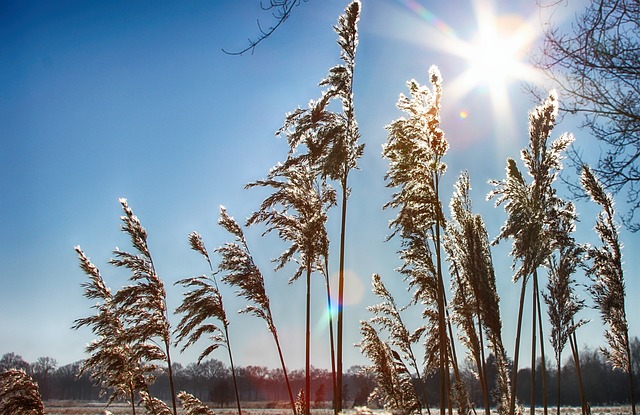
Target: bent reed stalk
202,303
240,271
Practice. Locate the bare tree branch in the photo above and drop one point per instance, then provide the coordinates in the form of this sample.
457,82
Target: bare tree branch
595,67
280,10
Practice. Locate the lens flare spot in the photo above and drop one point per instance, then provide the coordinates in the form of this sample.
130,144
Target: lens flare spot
464,114
354,290
330,313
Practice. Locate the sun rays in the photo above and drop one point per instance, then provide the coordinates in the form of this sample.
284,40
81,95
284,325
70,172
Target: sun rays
493,56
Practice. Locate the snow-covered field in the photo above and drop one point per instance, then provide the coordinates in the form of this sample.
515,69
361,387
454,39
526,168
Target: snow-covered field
98,408
87,408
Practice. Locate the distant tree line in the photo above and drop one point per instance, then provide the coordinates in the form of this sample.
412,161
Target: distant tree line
210,381
603,385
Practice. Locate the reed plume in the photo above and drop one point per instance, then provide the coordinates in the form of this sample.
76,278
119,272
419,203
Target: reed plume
119,364
193,406
19,394
394,387
154,406
296,210
199,304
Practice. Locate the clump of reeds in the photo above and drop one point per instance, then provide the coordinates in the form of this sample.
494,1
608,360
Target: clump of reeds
19,394
129,323
118,362
143,304
296,210
331,139
475,301
534,211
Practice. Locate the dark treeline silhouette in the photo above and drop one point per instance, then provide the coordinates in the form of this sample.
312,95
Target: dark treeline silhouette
210,381
603,385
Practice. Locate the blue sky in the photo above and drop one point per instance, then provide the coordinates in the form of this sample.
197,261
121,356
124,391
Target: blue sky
119,99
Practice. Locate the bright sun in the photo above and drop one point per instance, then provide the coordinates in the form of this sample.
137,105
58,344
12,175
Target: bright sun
497,54
493,58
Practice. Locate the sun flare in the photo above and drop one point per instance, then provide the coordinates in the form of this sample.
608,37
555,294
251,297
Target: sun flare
493,55
494,59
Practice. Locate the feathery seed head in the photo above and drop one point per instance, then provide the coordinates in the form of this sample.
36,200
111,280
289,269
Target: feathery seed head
133,227
394,383
19,393
534,208
193,405
434,76
154,405
229,224
607,276
594,188
197,244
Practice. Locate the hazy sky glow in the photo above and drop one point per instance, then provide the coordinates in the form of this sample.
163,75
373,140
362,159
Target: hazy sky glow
136,100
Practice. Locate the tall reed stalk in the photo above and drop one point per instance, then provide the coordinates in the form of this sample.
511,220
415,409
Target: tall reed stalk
562,302
143,304
296,210
415,147
607,276
331,140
